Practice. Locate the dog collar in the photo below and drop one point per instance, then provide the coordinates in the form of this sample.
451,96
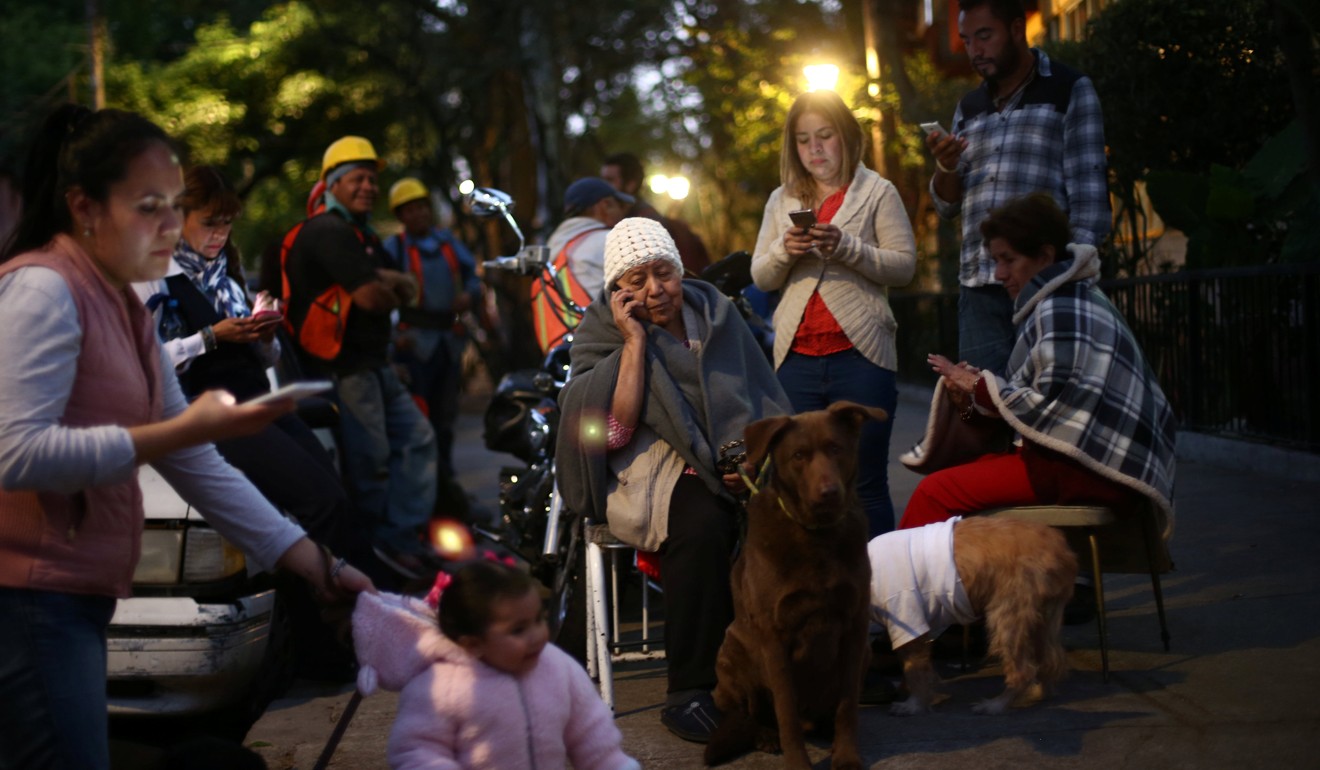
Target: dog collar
762,478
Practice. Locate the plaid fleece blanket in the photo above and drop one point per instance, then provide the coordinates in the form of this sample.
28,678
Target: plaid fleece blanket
1078,383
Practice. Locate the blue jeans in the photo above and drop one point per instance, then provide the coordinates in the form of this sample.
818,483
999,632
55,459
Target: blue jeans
438,378
985,327
52,680
815,382
389,454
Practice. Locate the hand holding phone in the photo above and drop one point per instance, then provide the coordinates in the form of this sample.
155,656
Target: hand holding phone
294,391
933,129
803,218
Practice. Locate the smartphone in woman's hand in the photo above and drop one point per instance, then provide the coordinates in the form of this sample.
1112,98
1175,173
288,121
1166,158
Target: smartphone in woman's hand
803,218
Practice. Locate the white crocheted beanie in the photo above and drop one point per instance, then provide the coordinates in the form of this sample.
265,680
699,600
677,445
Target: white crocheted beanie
636,241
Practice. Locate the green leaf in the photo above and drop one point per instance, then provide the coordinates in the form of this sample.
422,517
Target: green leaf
1179,198
1279,161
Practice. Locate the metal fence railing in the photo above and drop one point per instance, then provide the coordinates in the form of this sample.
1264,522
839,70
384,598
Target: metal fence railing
1237,350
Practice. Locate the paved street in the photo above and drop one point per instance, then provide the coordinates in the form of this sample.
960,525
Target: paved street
1237,690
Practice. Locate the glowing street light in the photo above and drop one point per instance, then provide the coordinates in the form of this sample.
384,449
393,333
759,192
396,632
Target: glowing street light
821,77
676,187
679,186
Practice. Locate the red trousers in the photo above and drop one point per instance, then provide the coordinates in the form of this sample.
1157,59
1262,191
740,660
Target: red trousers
1031,475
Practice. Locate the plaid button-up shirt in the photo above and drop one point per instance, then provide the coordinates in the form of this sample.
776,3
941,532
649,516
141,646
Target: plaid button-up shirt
1049,137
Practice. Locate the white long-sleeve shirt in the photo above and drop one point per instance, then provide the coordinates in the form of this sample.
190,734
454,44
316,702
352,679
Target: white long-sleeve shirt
40,345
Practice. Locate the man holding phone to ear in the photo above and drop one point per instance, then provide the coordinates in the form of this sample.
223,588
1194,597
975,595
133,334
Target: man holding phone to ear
1033,125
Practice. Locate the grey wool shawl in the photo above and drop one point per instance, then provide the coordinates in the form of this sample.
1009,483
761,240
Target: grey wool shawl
696,398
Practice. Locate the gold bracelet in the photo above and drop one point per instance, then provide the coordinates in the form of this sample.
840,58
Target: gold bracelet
946,170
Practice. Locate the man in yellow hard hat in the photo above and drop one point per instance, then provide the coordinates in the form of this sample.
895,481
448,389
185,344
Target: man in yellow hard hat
429,340
340,293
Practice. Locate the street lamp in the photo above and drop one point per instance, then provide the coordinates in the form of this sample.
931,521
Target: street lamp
676,187
679,186
821,77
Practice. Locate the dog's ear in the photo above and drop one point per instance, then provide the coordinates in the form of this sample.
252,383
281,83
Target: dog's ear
856,414
761,434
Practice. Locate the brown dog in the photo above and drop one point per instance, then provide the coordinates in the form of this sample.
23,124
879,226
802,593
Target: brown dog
794,655
1018,575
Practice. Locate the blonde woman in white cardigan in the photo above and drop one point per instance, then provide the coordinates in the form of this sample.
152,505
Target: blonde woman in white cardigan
834,330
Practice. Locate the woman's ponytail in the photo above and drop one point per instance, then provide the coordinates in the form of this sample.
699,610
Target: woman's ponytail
75,147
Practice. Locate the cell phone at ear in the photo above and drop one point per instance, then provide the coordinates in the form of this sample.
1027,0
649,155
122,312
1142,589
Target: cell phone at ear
294,390
933,129
803,218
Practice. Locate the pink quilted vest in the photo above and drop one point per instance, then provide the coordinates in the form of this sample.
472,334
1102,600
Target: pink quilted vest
87,542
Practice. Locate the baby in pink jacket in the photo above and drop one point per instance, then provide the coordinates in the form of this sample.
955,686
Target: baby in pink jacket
483,690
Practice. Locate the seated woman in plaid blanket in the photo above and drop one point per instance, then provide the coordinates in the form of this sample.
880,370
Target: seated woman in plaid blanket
1094,424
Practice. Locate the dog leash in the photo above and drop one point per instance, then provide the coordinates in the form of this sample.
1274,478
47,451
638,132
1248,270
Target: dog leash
323,761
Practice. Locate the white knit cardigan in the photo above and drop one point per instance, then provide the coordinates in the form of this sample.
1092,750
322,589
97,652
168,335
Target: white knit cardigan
877,251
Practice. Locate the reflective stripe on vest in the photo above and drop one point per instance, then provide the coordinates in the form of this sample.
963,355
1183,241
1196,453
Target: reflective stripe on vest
551,319
322,330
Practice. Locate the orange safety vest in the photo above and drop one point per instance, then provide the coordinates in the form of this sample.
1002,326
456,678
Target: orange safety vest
415,266
551,319
322,330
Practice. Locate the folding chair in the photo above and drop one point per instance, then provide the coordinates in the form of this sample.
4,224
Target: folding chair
604,644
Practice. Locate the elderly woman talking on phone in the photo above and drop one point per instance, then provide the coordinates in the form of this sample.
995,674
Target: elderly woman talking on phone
664,374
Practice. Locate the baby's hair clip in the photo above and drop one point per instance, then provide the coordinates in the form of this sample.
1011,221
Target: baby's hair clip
442,581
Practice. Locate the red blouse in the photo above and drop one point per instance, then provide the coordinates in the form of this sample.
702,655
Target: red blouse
819,333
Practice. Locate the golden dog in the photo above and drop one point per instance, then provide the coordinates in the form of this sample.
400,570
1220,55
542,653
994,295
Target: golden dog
1018,575
794,655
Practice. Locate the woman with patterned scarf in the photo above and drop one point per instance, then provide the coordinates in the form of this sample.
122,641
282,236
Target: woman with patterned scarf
208,332
1095,425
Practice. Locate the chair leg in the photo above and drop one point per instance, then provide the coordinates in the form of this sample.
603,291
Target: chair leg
1151,537
614,596
599,639
1099,605
646,613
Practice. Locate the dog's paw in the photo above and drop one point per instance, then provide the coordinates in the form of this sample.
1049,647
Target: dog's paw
767,740
991,706
908,708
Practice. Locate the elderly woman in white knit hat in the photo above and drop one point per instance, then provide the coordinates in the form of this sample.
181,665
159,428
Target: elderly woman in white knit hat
665,372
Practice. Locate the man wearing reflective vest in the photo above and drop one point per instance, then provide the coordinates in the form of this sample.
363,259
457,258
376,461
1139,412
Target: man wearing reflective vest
339,293
577,250
429,340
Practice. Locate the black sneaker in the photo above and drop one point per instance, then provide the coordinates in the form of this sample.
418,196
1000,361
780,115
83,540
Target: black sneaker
692,721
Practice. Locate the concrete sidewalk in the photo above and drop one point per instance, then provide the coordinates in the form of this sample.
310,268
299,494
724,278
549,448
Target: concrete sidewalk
1237,690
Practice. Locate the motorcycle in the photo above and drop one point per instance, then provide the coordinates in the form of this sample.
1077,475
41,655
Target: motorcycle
522,419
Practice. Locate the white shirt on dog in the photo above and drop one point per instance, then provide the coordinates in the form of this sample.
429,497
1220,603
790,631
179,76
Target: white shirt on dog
915,588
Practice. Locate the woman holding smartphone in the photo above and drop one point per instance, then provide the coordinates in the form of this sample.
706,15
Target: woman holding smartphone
85,398
834,330
211,337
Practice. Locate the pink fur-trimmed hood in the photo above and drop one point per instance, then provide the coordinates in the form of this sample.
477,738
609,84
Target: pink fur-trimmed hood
396,638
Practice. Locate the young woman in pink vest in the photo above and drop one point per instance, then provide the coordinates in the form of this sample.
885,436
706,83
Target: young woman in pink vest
85,398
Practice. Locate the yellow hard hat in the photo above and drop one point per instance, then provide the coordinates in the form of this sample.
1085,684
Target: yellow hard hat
407,190
347,150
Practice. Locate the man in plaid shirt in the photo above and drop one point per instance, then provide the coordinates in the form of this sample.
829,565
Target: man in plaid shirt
1033,125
